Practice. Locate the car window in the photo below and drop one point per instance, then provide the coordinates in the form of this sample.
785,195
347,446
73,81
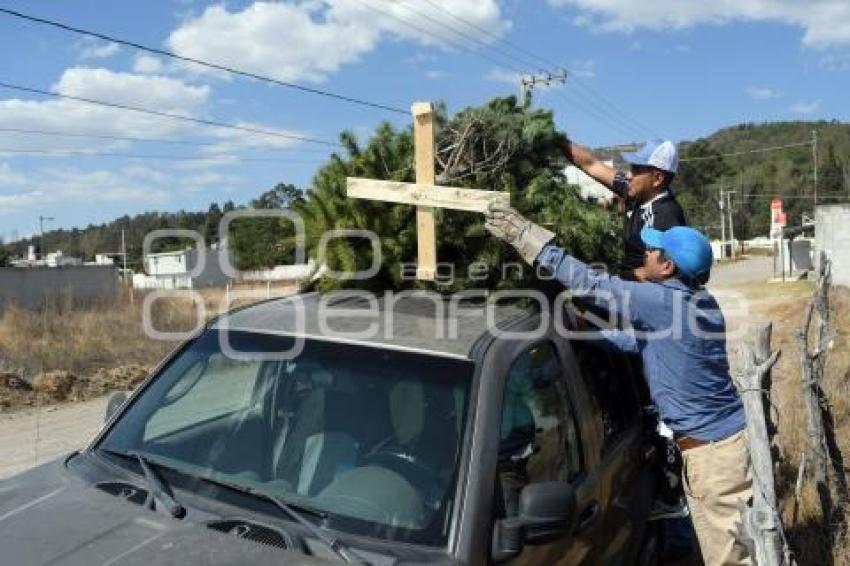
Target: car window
538,437
371,436
212,387
608,377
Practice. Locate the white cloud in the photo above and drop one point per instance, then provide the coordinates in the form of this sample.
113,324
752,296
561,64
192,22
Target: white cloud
100,51
825,22
763,93
69,185
160,93
835,62
804,107
503,76
309,40
9,177
145,64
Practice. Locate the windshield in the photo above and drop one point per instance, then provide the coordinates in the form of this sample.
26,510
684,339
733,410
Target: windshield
370,436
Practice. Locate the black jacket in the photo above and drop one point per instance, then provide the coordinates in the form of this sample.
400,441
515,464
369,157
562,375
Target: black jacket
662,212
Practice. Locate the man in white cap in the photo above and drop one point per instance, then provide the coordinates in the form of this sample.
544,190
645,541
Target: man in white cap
649,202
645,188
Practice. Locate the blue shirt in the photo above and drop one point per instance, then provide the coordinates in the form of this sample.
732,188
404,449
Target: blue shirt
680,334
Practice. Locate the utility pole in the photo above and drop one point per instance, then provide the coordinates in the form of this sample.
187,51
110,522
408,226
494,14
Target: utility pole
731,229
722,224
528,82
41,220
123,255
815,163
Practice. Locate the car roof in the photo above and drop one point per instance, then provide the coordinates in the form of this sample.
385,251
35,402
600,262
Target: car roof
413,321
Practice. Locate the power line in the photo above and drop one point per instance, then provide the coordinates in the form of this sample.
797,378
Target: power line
476,27
169,115
202,63
81,153
820,195
746,152
539,59
589,108
149,140
460,32
432,35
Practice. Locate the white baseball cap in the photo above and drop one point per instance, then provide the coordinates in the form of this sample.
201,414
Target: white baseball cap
656,153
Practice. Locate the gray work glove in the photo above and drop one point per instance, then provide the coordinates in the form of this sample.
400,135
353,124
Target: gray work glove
508,225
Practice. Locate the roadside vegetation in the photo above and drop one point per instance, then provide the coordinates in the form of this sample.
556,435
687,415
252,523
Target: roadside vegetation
62,352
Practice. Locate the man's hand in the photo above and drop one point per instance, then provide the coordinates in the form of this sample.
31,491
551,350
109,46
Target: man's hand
508,225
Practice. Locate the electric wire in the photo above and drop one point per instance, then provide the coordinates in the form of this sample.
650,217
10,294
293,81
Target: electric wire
152,140
460,32
433,35
585,106
745,152
546,62
183,118
239,72
82,153
216,66
621,118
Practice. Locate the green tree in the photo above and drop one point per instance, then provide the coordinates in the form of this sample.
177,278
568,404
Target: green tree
265,242
211,223
505,148
4,255
697,185
830,177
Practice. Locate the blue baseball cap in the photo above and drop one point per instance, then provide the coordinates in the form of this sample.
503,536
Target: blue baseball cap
656,153
688,248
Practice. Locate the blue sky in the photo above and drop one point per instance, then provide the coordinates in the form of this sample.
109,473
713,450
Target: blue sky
638,69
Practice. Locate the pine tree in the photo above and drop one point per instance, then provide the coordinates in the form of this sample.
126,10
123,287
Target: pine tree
529,165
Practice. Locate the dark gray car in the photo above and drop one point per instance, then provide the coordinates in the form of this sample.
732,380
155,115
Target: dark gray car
313,430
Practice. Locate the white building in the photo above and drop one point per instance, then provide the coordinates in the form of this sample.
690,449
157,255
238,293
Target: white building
167,263
589,188
174,270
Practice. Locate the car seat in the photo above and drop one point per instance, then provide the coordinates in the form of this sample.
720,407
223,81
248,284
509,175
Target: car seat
317,445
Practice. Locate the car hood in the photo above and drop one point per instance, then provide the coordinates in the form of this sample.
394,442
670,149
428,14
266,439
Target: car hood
50,516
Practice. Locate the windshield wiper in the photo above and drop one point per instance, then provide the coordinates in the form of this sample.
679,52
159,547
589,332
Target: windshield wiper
334,544
292,510
156,485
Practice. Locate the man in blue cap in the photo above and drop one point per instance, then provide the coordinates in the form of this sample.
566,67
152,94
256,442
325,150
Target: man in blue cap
645,189
678,329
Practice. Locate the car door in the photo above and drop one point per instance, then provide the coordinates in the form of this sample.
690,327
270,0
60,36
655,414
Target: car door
540,440
625,480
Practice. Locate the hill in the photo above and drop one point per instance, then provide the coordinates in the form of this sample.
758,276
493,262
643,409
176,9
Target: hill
761,162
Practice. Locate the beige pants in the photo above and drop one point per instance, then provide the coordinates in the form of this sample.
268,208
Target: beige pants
715,477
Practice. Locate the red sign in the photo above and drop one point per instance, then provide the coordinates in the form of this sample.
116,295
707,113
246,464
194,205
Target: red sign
776,204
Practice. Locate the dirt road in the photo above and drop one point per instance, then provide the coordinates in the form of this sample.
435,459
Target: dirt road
34,436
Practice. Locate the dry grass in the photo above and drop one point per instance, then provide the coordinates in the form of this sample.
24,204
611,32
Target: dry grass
63,337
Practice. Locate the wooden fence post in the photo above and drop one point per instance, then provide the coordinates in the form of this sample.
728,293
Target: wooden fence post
811,371
761,524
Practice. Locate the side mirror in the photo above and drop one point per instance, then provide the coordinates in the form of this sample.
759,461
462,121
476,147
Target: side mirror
547,511
114,403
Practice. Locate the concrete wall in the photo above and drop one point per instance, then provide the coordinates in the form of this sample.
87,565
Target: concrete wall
32,287
280,272
832,235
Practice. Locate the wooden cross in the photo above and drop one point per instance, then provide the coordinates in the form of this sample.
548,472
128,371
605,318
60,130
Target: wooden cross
424,193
